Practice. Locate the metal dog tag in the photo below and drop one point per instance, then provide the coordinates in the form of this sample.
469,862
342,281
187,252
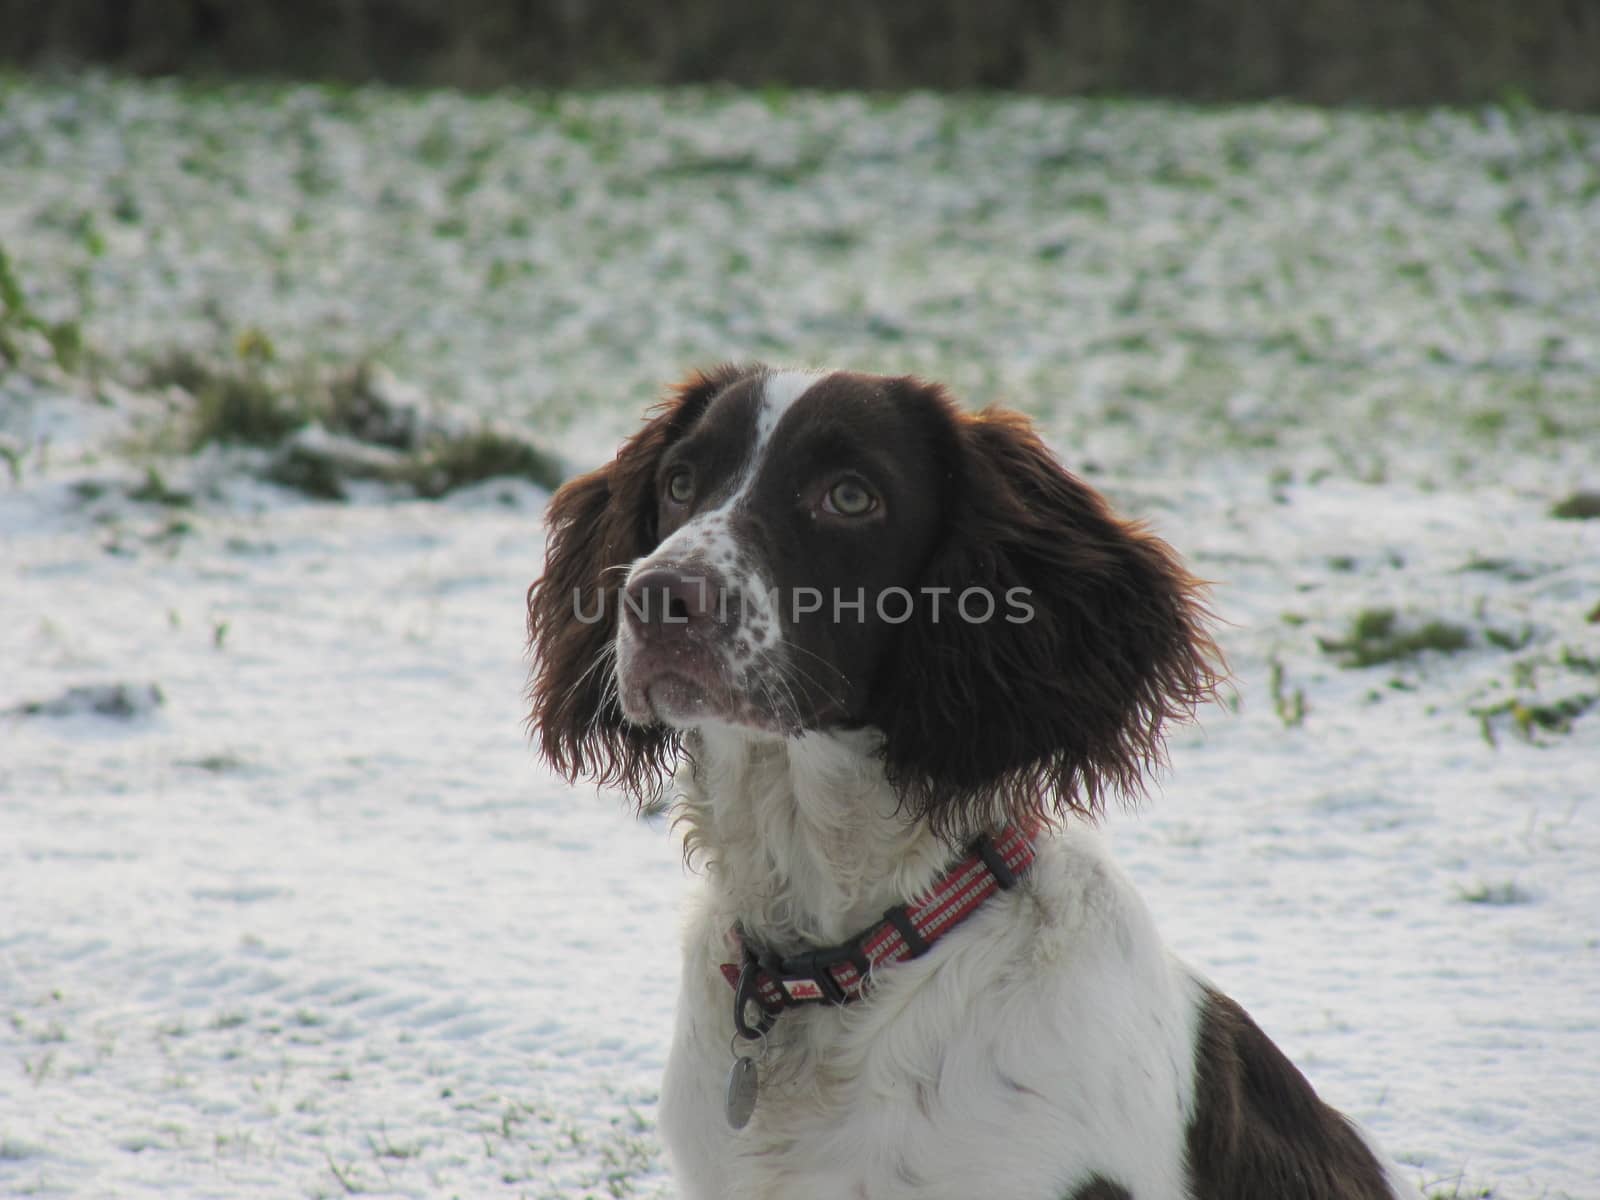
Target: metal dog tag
742,1085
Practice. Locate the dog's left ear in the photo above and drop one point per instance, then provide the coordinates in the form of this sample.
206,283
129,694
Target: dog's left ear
1097,639
597,525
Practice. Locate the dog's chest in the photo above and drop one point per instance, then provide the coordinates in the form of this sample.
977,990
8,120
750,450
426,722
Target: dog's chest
853,1106
987,1074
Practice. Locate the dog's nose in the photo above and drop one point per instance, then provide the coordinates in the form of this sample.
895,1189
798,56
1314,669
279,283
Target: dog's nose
664,601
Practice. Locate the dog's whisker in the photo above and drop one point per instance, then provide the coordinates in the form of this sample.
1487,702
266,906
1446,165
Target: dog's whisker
793,667
603,659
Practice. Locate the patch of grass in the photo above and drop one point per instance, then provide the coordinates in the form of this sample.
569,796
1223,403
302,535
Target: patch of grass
38,1069
217,764
734,165
1376,636
1290,706
1459,1191
1575,661
1531,718
237,400
1496,895
307,471
171,534
1509,639
1508,569
838,240
1554,717
1487,422
63,339
118,701
456,462
154,490
243,408
251,398
1093,203
349,1180
1580,506
355,405
383,1146
437,146
12,454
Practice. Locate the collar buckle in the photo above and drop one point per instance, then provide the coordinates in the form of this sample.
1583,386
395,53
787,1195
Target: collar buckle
815,967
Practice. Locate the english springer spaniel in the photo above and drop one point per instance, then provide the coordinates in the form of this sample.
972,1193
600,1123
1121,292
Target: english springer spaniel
889,656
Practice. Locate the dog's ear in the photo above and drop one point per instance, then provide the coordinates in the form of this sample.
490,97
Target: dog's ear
1097,639
598,524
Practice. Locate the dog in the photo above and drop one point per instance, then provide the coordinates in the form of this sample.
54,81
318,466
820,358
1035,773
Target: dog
891,658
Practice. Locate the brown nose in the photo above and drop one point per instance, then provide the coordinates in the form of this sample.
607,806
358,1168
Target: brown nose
671,601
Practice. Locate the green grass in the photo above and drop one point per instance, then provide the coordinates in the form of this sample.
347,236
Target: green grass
1577,661
449,463
1532,717
1497,895
154,490
1377,636
63,340
1290,705
502,214
1580,506
250,398
309,472
237,400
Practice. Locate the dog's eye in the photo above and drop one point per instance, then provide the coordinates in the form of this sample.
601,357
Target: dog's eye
680,487
848,498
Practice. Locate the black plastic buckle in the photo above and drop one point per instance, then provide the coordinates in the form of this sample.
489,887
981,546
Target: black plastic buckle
815,965
985,849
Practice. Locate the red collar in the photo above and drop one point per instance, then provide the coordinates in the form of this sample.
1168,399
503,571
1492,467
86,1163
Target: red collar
842,973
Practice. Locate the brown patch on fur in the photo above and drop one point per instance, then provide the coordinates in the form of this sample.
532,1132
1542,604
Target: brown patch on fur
1259,1131
1040,718
598,523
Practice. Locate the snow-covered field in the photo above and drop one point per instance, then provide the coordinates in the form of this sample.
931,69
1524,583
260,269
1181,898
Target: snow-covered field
288,907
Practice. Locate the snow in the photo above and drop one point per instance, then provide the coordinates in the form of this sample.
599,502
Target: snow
299,912
322,894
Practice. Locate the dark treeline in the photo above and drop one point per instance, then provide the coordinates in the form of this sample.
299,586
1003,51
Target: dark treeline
1334,51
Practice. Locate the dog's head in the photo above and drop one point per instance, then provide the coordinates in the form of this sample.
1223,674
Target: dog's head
785,551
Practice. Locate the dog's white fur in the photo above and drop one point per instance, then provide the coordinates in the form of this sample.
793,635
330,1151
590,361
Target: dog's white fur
1048,1039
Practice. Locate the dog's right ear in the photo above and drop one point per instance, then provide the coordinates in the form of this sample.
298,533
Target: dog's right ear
598,524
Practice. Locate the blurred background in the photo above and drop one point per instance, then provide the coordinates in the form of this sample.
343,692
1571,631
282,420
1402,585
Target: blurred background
1326,51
